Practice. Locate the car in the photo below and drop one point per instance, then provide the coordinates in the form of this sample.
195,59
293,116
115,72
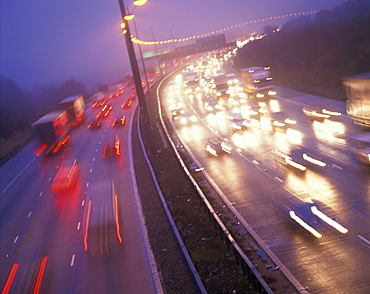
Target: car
187,118
112,148
177,112
119,121
94,124
66,176
237,100
217,147
303,212
299,159
319,113
255,110
239,125
213,106
280,120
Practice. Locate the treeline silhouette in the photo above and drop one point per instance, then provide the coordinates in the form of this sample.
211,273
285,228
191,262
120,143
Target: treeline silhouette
318,50
20,108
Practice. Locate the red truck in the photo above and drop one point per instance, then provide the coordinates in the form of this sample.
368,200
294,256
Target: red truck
75,108
52,130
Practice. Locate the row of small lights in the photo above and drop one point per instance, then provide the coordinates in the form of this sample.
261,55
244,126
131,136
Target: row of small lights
137,41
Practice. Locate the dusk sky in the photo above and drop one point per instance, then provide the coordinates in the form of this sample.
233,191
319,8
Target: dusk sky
46,42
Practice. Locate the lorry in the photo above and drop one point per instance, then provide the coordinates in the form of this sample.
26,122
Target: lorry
357,88
257,82
75,108
221,85
52,130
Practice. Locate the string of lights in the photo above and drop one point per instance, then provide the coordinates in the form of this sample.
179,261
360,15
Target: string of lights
141,42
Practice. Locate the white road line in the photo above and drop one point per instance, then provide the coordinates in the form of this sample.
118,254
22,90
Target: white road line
78,226
49,179
255,161
15,240
29,214
94,159
278,179
367,242
87,184
337,166
83,203
6,188
90,170
41,194
73,259
96,150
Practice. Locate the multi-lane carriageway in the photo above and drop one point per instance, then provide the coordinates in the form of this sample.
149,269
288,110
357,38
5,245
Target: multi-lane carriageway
43,232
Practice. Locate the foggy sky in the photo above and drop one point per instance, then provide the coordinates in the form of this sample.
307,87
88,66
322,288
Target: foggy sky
46,42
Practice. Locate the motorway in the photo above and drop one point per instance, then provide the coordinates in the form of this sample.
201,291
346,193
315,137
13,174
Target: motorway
334,262
44,234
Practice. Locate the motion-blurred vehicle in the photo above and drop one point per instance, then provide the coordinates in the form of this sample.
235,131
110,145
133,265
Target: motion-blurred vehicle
280,120
299,159
119,121
112,148
217,147
75,108
94,124
53,132
257,82
237,100
305,214
177,112
101,227
255,110
315,113
359,147
66,176
357,88
237,125
187,118
213,106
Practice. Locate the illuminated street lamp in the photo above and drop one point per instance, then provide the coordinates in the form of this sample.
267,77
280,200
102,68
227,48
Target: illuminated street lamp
134,66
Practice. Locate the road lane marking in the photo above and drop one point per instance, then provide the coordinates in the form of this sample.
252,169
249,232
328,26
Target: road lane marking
96,150
41,194
367,242
29,214
94,159
83,203
255,161
90,170
49,179
337,166
87,184
278,179
73,259
78,226
15,240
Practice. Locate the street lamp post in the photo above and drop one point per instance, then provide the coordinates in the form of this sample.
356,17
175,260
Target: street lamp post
135,68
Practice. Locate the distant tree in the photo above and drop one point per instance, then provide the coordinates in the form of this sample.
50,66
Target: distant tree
11,96
71,87
102,88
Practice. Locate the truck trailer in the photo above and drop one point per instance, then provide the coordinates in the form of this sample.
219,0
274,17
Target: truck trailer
75,108
257,82
52,130
357,90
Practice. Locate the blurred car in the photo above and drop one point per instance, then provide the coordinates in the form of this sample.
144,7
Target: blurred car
66,176
177,112
305,214
319,113
255,110
217,147
112,148
213,106
239,125
280,120
298,159
188,118
119,121
94,124
237,100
